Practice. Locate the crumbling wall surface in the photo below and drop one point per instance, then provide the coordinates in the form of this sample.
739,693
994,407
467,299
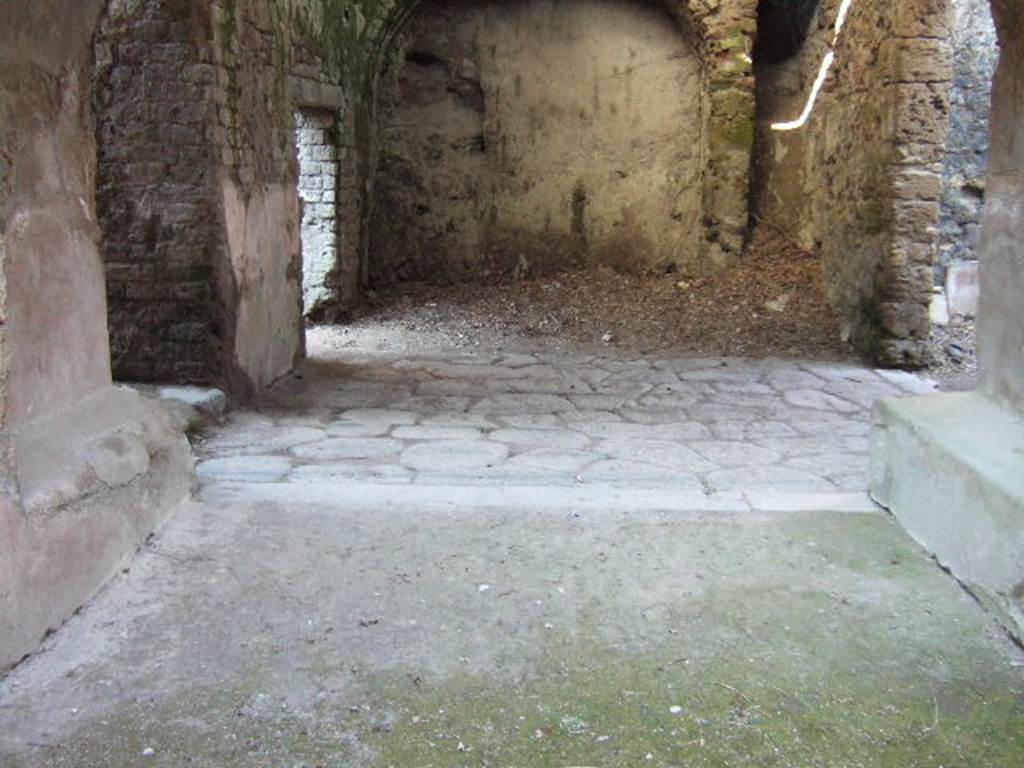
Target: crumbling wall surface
964,165
86,470
538,133
157,189
1000,325
870,157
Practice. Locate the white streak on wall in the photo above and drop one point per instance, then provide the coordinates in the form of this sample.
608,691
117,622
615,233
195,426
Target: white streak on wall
819,81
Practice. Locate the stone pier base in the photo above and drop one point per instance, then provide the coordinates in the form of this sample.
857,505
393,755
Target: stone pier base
950,467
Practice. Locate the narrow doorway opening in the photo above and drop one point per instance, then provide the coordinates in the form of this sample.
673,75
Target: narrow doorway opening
316,139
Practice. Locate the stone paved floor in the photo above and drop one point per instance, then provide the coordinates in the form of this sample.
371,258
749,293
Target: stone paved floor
528,561
732,431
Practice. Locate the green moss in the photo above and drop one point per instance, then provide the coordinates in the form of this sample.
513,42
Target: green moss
771,670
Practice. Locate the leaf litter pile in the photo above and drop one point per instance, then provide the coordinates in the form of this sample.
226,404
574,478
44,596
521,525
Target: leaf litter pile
771,303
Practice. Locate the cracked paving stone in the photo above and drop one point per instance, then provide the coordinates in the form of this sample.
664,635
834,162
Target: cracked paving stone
244,469
771,478
550,438
348,448
380,416
658,452
735,454
819,401
451,455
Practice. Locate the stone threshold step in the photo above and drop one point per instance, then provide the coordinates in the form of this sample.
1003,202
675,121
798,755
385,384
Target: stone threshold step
559,498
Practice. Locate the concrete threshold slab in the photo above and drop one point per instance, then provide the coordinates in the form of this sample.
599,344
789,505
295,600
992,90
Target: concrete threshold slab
532,498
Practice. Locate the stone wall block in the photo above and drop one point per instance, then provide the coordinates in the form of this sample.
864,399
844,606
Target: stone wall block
918,60
923,115
914,184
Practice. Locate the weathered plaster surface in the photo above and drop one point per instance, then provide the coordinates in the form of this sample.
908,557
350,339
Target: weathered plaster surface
87,471
531,135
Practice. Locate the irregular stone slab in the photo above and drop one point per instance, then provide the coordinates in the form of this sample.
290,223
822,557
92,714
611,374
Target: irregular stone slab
434,404
770,478
244,469
638,472
794,378
864,395
449,455
659,452
532,420
830,464
734,454
573,418
348,448
431,432
549,438
689,430
371,473
264,439
357,429
380,416
664,401
555,461
752,430
524,403
845,427
908,382
458,420
819,401
823,445
456,388
838,371
549,385
599,402
654,415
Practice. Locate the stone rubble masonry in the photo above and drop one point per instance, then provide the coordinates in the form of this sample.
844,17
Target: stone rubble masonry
963,169
156,182
862,181
198,196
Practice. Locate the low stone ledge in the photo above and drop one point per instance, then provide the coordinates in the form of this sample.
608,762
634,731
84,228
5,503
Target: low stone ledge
89,486
950,468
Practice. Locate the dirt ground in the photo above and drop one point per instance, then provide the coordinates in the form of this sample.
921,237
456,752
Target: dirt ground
771,304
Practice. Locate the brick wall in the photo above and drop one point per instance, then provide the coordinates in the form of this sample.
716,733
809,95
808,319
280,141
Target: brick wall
155,191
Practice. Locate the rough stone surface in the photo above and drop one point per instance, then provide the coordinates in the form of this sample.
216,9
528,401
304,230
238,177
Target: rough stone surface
861,181
733,425
964,165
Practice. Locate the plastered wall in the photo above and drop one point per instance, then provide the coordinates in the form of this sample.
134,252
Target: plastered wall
525,136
